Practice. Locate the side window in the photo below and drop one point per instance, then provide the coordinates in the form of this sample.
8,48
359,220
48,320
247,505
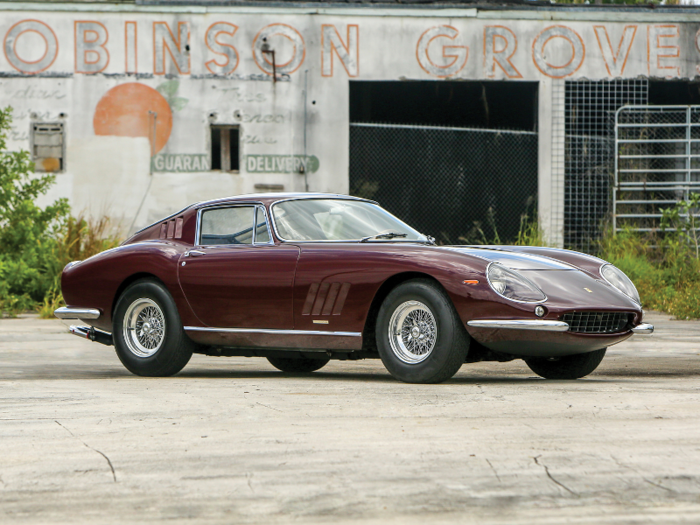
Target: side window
227,225
262,234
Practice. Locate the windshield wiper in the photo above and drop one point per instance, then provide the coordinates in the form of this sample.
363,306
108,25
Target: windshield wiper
389,235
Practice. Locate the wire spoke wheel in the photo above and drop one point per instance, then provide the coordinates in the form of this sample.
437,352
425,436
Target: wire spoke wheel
144,327
412,332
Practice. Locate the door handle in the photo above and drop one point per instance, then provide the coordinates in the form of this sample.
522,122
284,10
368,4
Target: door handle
194,253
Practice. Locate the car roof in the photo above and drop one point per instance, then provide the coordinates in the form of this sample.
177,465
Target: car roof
270,198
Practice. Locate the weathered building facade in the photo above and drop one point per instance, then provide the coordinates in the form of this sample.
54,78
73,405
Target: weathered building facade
143,108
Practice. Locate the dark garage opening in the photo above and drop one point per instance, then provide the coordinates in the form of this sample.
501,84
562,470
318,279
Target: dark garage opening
457,160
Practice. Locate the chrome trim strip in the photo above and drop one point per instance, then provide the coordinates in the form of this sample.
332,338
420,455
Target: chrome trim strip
522,324
269,331
77,313
643,329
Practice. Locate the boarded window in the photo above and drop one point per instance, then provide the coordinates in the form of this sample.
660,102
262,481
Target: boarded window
48,146
224,148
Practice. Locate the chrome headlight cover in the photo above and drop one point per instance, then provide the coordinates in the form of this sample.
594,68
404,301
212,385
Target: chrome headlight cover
513,286
618,280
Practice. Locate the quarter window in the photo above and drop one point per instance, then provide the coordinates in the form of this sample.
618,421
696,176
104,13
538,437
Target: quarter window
228,226
48,146
224,148
262,234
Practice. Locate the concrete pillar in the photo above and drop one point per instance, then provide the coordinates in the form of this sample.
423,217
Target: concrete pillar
550,178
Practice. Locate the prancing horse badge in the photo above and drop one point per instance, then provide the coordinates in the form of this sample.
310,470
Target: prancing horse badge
588,290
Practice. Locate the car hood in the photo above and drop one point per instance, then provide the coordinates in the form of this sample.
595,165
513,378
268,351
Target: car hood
565,285
513,260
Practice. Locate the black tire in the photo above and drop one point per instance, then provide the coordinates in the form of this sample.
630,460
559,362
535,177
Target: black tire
437,350
139,353
299,365
567,367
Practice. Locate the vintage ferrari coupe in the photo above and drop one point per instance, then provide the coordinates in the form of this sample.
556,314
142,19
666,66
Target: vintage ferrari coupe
304,278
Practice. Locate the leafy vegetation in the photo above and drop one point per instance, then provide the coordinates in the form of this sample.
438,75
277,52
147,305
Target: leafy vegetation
35,242
664,265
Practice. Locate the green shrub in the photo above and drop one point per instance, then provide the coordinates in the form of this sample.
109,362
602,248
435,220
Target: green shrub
35,242
664,265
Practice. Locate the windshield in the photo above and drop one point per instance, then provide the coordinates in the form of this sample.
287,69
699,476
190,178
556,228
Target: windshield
338,220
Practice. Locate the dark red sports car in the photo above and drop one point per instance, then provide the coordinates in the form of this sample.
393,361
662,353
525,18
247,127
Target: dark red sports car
304,278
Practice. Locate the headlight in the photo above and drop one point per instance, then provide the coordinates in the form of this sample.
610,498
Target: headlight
512,285
617,279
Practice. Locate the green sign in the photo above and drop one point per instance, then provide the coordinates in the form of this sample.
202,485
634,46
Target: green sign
281,164
180,163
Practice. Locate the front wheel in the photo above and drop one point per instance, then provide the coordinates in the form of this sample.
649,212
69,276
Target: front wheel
148,334
420,337
567,367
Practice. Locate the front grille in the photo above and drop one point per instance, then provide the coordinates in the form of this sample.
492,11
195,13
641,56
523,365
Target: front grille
598,322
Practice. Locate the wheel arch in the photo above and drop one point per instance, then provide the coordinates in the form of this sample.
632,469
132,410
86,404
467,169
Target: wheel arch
368,332
129,281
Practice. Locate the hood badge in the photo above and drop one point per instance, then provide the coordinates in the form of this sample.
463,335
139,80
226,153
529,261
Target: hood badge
588,290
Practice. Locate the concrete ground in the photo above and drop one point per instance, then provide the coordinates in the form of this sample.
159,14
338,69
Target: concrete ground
231,440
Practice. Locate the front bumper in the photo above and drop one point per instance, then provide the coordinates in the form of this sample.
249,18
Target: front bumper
542,337
522,324
542,325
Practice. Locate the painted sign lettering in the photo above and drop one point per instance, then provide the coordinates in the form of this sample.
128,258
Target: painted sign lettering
178,49
611,50
662,50
348,53
281,163
91,55
453,58
180,163
270,36
551,44
29,64
500,44
615,62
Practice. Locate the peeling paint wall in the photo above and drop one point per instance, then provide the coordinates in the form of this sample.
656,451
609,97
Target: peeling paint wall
138,88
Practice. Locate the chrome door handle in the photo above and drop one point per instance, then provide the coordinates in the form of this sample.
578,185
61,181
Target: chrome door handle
194,253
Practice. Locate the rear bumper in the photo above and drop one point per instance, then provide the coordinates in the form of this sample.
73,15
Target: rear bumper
66,312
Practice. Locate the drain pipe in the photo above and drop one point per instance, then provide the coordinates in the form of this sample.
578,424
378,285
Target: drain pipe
306,92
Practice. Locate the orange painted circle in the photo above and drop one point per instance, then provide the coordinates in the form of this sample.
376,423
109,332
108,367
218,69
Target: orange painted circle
124,111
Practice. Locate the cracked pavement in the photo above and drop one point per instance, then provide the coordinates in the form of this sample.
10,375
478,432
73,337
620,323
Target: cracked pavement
231,440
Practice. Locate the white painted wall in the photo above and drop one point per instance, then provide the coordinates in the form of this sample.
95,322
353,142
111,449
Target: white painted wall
67,61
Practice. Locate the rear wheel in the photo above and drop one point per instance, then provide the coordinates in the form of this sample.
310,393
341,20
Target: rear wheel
298,364
567,367
420,337
147,331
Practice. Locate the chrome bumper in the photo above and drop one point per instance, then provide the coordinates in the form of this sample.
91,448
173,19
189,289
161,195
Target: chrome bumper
76,313
522,324
643,329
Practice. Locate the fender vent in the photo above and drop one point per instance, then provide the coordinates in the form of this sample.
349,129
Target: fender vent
598,322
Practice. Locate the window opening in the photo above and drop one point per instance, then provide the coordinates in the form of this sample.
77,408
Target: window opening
47,146
228,226
262,234
225,148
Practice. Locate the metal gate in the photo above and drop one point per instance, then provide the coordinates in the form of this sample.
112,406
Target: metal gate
459,185
657,162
